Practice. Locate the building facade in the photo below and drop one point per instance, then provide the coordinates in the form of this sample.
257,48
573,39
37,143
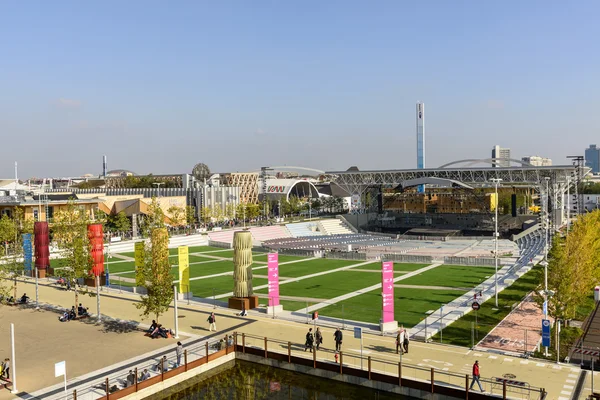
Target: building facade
537,161
592,158
502,156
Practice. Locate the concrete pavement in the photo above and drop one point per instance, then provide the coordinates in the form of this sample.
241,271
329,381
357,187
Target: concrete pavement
192,319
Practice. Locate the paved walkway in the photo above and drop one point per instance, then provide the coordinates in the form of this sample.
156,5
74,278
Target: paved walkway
520,331
193,320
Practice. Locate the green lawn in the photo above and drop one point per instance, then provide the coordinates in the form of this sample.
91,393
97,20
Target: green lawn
329,285
410,305
451,276
308,267
376,266
459,333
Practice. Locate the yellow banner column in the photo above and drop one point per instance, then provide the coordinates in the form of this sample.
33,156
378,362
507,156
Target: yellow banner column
184,269
139,263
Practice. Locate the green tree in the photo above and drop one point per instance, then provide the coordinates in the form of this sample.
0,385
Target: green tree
206,214
295,205
241,211
230,211
177,215
121,222
190,215
316,205
217,212
253,211
8,232
574,266
156,273
70,233
154,218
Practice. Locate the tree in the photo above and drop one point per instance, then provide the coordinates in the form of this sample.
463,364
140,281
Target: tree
70,233
217,212
573,267
190,215
121,223
316,205
252,211
241,211
295,205
156,274
8,232
155,218
230,211
13,248
206,214
177,215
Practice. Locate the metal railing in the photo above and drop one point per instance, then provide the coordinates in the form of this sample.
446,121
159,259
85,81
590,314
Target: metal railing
427,379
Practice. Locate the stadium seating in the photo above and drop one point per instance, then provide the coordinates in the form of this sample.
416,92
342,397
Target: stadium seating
333,227
302,229
269,232
222,236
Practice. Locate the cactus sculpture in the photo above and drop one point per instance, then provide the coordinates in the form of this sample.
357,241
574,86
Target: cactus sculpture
242,264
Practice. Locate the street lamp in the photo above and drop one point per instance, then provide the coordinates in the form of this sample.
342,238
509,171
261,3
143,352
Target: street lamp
496,181
158,186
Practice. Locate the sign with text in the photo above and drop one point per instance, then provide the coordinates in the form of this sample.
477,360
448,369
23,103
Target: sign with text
27,252
546,332
357,332
273,277
184,269
387,291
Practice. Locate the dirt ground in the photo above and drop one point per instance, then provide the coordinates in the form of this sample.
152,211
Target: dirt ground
41,341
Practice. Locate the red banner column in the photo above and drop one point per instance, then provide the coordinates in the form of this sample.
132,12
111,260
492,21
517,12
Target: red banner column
42,252
95,235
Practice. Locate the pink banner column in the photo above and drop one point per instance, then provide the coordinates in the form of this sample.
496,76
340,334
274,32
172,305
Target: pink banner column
273,276
387,291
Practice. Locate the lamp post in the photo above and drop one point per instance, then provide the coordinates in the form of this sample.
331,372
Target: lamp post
496,181
158,187
546,226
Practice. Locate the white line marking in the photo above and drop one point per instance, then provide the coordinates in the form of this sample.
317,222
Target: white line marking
568,387
571,381
508,360
524,362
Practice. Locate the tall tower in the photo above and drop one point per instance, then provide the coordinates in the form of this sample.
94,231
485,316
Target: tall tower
421,139
104,166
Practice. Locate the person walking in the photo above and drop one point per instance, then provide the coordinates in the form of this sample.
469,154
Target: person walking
400,341
6,369
309,340
318,337
476,377
405,340
212,320
179,353
337,336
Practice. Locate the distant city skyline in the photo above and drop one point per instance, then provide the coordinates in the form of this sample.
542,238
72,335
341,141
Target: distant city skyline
160,87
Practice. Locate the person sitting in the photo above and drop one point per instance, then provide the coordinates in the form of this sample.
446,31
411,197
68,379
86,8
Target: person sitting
158,331
72,313
11,300
162,362
82,311
152,327
130,378
230,341
64,317
144,375
24,299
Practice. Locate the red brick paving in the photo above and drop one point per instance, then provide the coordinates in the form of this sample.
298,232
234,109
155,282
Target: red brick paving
509,335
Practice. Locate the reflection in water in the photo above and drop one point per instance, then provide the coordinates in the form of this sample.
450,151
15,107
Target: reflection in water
249,381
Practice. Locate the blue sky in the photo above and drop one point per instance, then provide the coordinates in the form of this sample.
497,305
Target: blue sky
159,86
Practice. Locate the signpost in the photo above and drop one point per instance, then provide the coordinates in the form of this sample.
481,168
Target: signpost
60,369
184,271
387,297
358,335
546,333
475,306
273,284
